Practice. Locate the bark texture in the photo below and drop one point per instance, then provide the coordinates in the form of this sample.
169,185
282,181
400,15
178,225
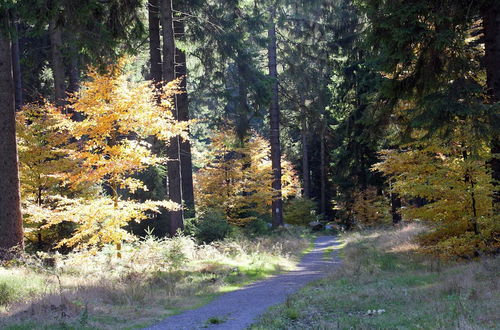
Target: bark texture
11,230
274,114
491,21
16,66
154,40
58,69
323,202
306,179
395,208
182,104
173,151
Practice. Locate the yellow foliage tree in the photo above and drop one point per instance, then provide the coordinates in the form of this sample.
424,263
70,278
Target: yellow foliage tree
454,179
237,177
43,157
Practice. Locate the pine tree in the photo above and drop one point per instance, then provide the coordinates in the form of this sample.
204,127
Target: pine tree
173,151
11,234
274,119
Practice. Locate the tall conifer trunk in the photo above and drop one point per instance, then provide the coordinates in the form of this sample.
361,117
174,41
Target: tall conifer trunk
274,114
11,225
57,62
182,104
173,164
154,41
16,64
491,21
306,179
323,169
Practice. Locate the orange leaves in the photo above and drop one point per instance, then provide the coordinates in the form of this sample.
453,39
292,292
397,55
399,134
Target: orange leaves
118,116
236,179
66,164
454,180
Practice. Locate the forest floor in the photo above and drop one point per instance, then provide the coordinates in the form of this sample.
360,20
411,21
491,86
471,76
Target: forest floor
384,283
154,279
239,309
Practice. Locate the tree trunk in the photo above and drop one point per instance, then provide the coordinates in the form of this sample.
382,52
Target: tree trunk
173,164
16,66
74,74
306,179
182,104
57,62
323,169
491,21
274,114
154,41
11,233
395,208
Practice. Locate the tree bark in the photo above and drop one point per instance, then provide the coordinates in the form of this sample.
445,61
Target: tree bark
74,74
395,208
57,62
154,41
274,114
173,150
11,233
491,21
182,103
323,169
306,179
16,65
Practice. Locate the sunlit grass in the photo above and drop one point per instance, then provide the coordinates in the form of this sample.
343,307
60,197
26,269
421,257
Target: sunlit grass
380,286
153,280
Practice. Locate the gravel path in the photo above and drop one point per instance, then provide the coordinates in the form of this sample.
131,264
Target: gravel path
240,308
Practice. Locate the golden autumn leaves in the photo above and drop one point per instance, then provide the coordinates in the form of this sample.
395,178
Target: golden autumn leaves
75,170
77,173
237,176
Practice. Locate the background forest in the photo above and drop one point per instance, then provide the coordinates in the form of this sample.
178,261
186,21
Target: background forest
123,123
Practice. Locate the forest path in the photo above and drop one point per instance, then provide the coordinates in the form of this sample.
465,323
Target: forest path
239,309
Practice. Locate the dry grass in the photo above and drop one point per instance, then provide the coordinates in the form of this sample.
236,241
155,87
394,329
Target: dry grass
382,271
153,279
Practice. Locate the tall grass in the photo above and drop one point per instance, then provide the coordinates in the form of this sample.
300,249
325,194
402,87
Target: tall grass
384,283
153,279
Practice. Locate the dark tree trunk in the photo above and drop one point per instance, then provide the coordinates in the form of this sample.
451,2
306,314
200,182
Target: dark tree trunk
395,208
491,21
306,179
274,114
57,62
173,164
183,112
323,203
154,41
16,66
11,232
74,74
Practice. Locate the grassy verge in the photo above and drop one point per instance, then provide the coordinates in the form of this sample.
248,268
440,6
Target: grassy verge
153,279
385,284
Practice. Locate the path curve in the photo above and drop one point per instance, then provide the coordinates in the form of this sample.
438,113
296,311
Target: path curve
240,308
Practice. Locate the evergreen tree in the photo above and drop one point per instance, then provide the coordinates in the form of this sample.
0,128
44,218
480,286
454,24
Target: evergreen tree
11,234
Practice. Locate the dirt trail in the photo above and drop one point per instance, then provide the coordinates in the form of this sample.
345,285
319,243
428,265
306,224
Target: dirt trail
240,308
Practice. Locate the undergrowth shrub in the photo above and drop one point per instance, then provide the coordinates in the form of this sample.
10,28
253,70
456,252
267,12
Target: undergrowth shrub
299,211
209,227
258,227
